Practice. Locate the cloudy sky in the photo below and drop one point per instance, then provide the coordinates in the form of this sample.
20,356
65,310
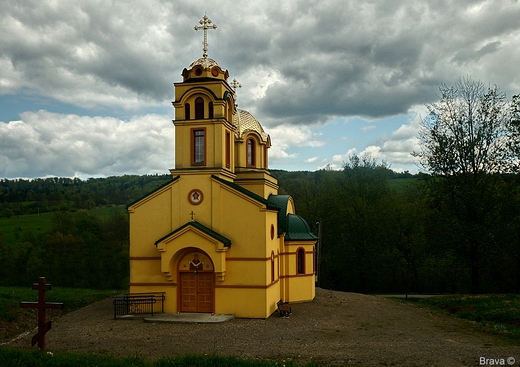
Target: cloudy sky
86,86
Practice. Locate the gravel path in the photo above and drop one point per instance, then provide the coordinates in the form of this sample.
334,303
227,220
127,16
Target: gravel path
337,328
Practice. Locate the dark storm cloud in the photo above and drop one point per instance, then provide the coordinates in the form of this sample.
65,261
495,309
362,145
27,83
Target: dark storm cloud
301,63
333,58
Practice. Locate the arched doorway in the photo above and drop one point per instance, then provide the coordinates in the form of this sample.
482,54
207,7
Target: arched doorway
197,282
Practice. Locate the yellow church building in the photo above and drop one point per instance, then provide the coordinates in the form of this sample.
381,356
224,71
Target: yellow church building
218,238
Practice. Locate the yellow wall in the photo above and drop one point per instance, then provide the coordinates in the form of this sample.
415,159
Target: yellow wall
242,272
242,302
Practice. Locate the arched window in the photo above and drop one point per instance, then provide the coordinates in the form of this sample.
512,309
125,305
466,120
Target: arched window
210,110
251,153
199,108
300,258
187,111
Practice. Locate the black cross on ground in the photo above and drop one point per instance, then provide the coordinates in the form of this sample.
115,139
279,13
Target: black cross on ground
41,305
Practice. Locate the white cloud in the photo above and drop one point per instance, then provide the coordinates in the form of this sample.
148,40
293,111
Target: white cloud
372,151
368,128
284,137
312,160
45,143
340,158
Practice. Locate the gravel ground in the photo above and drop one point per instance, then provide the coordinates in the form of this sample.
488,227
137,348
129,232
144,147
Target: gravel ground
336,328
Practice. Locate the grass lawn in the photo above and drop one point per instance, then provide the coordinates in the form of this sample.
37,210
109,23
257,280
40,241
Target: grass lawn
72,298
15,227
496,313
14,358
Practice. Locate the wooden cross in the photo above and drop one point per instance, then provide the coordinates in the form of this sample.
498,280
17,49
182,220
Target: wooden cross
41,305
206,24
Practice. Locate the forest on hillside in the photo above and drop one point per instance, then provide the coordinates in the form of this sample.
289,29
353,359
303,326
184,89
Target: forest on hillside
24,196
71,243
382,234
381,231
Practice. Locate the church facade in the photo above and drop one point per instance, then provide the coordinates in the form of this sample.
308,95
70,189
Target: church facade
218,238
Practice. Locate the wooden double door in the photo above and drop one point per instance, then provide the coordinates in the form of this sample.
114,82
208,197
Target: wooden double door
196,292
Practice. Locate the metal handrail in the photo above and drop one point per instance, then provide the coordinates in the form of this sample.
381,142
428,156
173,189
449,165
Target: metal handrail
137,303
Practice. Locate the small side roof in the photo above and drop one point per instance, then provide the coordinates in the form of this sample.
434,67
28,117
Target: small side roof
298,229
281,201
201,227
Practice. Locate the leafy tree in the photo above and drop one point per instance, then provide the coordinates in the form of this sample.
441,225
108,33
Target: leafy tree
359,236
466,143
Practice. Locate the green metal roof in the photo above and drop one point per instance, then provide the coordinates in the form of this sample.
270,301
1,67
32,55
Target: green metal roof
226,241
298,229
281,201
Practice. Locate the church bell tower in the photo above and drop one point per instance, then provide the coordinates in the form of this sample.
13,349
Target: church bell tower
204,113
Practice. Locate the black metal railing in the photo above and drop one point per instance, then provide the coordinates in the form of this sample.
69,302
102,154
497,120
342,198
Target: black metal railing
137,303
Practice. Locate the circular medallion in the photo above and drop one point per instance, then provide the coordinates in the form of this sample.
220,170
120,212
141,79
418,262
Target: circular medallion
214,72
198,71
195,197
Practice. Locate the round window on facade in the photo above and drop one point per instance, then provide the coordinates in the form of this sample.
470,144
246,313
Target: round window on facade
195,197
214,72
198,71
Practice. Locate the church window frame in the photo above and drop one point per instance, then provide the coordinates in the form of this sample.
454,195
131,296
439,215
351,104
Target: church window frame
300,261
228,149
187,111
199,108
198,146
251,153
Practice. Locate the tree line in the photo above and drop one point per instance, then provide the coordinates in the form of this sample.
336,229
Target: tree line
384,235
381,232
80,249
31,196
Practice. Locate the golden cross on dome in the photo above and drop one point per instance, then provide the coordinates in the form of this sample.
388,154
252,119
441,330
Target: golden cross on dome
235,85
205,25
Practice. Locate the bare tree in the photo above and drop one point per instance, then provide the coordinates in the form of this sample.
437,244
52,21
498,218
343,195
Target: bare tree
467,143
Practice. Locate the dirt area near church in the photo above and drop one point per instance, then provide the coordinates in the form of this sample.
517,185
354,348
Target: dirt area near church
336,328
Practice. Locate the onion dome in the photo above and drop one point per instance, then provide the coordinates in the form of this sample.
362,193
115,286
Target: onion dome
246,123
205,67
